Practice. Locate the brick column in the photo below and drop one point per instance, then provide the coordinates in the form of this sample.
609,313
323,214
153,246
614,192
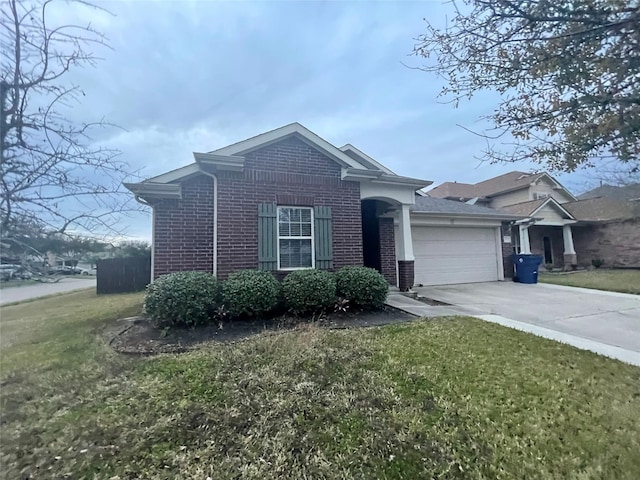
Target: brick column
405,275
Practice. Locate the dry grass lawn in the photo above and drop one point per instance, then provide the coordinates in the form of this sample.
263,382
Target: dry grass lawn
449,398
625,281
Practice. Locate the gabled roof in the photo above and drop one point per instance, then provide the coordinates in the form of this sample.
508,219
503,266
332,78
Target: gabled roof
600,209
437,206
532,207
293,129
355,164
508,182
629,192
461,191
525,208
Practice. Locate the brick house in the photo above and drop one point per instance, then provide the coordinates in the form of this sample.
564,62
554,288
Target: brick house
288,199
564,230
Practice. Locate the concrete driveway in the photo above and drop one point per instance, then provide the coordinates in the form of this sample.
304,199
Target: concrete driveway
605,317
29,292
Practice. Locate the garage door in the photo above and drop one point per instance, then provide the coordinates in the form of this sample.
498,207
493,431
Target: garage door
448,255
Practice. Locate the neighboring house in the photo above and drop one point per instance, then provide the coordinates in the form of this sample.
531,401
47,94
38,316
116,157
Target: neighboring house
288,199
555,224
624,193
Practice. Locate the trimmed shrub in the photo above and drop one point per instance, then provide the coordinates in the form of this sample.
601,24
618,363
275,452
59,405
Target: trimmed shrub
364,287
309,291
182,299
250,292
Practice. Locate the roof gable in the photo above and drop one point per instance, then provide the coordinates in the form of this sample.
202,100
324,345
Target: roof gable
293,129
492,187
354,164
533,208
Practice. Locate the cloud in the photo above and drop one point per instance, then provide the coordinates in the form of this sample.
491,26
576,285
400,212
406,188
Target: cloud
197,75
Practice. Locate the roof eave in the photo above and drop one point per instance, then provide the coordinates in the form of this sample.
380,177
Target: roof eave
217,162
487,216
377,176
151,190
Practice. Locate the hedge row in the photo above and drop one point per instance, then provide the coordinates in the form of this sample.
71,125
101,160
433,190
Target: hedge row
195,298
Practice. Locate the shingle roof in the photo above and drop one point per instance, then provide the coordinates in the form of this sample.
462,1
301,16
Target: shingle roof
502,183
443,206
452,190
626,192
525,208
600,209
508,181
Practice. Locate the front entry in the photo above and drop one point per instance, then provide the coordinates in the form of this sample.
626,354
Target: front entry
548,250
370,235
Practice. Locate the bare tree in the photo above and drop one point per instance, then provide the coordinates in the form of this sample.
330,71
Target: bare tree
51,171
568,72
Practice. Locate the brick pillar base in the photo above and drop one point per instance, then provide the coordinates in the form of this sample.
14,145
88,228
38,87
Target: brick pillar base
405,275
570,259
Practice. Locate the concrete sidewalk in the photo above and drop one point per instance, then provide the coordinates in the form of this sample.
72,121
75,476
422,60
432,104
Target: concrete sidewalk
30,292
418,308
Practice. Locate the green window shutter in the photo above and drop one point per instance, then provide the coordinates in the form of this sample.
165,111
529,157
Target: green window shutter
267,236
323,238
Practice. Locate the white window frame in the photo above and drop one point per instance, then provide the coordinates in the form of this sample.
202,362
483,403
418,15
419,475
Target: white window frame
312,238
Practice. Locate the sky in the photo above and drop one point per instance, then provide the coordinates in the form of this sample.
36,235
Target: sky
185,76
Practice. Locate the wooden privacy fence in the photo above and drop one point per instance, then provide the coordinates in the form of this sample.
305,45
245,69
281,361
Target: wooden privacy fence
121,275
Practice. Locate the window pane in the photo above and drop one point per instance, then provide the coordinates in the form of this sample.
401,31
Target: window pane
306,215
295,253
284,230
295,230
306,230
283,214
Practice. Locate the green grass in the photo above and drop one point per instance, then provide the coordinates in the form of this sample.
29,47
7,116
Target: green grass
449,398
625,281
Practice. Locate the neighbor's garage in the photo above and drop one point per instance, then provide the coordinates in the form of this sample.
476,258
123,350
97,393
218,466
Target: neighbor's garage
450,255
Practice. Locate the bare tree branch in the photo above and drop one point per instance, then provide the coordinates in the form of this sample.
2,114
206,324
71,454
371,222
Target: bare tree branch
568,73
51,171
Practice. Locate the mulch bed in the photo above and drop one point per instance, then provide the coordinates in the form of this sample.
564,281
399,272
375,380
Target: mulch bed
140,337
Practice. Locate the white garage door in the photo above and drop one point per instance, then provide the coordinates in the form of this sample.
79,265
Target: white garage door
448,255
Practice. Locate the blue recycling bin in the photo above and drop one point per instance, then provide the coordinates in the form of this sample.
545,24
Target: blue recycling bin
526,267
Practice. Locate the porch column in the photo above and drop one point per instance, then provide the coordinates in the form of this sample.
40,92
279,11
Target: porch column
405,250
525,245
570,257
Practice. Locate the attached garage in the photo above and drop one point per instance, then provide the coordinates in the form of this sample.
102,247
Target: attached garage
450,255
454,242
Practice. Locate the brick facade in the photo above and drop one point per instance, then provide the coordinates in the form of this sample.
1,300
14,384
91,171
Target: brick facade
617,243
287,172
405,275
387,250
183,229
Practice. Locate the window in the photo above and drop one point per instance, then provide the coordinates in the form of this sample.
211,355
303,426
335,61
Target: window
539,196
295,238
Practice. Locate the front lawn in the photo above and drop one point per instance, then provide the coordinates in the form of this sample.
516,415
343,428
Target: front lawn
625,281
449,398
